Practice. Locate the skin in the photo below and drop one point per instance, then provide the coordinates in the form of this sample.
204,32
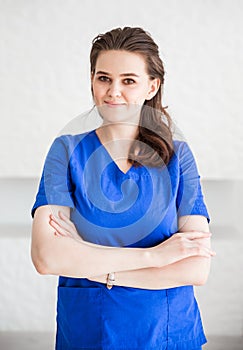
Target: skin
128,92
58,249
111,82
179,269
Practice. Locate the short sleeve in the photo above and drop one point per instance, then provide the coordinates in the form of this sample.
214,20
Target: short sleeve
55,186
190,200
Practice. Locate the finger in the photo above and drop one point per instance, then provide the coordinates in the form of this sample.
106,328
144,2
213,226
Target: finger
63,215
60,230
65,218
54,225
70,225
60,222
51,224
57,234
209,253
201,250
195,234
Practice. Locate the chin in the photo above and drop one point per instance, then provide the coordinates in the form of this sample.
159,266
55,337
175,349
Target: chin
120,114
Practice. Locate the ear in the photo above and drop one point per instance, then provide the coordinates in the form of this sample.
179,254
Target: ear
153,88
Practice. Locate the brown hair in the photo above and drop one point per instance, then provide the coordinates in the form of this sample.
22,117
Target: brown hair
155,122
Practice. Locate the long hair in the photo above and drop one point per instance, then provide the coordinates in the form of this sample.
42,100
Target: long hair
154,139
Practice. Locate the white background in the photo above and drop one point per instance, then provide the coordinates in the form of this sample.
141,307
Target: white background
44,84
44,74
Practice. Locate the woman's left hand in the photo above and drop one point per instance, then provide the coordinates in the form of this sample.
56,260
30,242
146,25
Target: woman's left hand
63,226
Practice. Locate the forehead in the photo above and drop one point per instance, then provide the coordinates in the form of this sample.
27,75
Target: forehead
120,61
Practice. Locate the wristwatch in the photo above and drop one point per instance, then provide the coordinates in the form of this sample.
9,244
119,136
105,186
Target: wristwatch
110,280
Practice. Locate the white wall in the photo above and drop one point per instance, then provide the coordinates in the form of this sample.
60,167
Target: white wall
44,84
28,300
44,73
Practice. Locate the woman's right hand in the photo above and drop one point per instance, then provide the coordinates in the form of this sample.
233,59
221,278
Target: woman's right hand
182,245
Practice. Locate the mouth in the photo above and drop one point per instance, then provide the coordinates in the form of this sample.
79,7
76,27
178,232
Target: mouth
114,105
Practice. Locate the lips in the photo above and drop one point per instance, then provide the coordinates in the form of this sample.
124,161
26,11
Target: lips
112,104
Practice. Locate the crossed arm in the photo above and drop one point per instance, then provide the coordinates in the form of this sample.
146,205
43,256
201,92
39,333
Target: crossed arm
189,271
183,259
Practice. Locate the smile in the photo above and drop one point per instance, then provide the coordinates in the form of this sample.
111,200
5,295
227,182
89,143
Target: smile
114,105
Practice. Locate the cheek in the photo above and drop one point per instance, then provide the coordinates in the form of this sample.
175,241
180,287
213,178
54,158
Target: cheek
137,97
96,95
98,91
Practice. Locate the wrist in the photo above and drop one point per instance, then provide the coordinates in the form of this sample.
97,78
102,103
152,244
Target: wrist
100,279
149,257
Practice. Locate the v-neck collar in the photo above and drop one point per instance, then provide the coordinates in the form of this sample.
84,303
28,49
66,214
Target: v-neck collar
109,155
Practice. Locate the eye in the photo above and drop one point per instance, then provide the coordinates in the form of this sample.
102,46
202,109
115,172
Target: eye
129,81
103,78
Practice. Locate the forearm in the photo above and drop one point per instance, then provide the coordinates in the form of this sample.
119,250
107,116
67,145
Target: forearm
190,271
83,259
58,249
66,256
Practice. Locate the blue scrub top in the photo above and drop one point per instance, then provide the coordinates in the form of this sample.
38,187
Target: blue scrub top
139,208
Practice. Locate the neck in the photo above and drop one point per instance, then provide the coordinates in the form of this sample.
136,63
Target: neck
117,138
120,131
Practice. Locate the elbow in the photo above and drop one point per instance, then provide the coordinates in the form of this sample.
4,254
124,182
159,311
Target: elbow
201,280
202,277
41,268
201,272
40,262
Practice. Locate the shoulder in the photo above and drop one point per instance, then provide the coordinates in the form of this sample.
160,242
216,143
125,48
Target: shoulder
68,142
182,150
68,139
183,156
184,159
181,147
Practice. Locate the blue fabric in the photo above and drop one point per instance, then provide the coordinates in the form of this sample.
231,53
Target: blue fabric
136,209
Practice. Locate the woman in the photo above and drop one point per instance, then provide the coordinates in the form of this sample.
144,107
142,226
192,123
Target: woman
119,214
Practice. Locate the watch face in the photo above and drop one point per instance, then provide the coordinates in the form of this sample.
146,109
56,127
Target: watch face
110,280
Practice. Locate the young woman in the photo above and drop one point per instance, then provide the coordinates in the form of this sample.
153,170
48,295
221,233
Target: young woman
120,216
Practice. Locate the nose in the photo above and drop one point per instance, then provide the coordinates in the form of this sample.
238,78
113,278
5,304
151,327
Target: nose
114,90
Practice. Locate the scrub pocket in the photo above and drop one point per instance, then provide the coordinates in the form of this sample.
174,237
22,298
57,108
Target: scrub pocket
135,319
79,316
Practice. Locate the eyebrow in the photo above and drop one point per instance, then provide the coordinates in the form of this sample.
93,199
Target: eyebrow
122,75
